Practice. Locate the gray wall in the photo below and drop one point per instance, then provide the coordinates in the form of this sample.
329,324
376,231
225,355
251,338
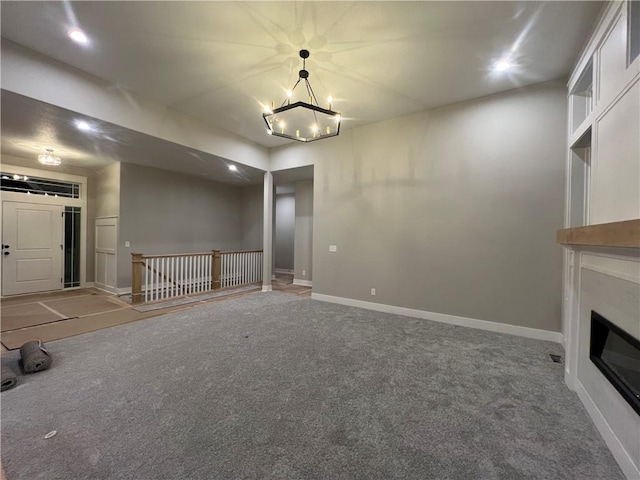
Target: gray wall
165,212
303,242
284,241
107,192
452,210
252,200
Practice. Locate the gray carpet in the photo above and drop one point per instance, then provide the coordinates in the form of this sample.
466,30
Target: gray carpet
279,386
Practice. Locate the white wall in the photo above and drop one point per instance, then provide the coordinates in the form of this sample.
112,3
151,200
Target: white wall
452,210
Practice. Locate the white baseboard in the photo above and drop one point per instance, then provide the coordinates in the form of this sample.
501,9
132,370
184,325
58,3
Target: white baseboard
283,270
618,451
104,288
88,285
266,288
306,283
444,318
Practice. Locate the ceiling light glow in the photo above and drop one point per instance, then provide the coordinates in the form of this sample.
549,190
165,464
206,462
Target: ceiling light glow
503,65
233,168
78,36
84,126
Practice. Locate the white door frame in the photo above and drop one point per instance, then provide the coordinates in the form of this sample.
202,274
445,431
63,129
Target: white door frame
51,200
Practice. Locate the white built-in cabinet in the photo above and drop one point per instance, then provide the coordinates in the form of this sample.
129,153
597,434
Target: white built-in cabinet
603,181
603,186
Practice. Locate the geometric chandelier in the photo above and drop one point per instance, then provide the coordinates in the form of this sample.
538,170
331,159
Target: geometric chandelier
302,121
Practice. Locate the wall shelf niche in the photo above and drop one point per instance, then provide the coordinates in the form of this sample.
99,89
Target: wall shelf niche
581,98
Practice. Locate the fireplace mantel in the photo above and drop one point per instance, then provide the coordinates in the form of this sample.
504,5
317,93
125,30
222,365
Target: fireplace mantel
615,234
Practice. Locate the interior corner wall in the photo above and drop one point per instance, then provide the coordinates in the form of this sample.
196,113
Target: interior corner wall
284,231
252,211
164,212
303,240
452,210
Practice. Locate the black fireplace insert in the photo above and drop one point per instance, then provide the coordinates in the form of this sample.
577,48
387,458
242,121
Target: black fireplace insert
616,353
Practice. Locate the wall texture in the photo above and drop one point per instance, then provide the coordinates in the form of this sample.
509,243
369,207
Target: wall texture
452,210
165,212
284,238
303,242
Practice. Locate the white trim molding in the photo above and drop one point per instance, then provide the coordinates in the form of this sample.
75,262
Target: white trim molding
534,333
283,270
267,288
610,438
305,283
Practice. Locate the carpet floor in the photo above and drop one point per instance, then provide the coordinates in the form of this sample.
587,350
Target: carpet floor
281,386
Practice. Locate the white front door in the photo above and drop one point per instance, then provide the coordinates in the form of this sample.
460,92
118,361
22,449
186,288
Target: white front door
31,247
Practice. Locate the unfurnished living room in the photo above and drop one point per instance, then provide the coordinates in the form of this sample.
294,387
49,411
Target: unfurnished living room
307,239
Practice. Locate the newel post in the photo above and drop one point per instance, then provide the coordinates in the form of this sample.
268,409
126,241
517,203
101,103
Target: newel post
215,272
137,264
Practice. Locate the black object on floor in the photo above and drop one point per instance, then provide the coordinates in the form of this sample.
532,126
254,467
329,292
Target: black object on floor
8,379
555,358
35,357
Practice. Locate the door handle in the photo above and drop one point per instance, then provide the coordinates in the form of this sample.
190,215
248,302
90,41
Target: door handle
4,246
6,253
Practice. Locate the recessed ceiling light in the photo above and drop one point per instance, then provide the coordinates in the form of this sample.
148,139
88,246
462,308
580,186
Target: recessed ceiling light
78,36
502,65
82,125
233,168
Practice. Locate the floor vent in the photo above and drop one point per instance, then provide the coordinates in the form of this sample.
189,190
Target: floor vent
555,358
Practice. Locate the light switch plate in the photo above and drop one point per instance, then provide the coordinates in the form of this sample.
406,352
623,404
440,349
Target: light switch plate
127,243
333,248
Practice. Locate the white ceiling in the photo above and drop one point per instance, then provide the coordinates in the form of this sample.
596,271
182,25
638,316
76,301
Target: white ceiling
219,61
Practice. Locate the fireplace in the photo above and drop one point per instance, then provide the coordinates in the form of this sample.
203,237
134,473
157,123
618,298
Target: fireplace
616,353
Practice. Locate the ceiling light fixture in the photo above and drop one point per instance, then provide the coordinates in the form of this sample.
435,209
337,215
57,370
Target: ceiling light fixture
302,121
49,158
233,168
502,65
78,36
84,126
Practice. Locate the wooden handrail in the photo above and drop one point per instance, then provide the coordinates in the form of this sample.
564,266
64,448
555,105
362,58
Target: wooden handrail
615,234
173,255
241,251
170,255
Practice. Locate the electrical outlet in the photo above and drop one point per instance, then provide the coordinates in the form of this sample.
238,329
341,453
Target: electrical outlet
304,273
373,291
